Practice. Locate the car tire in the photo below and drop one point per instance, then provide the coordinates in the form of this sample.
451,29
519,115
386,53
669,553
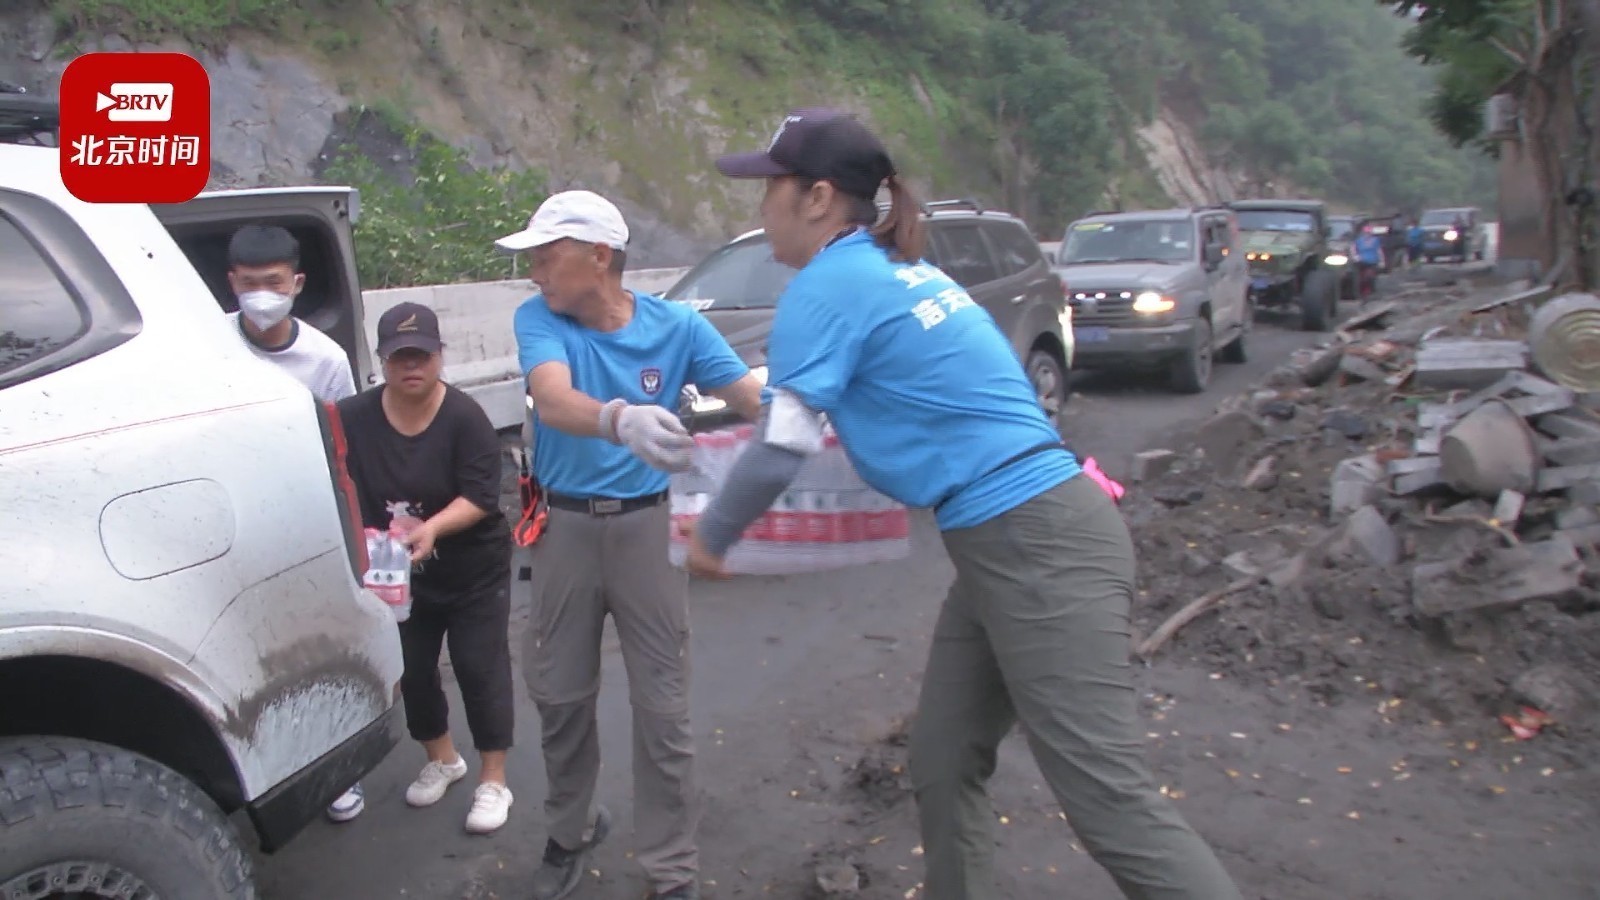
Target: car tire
1049,382
84,819
1238,350
1191,372
1319,301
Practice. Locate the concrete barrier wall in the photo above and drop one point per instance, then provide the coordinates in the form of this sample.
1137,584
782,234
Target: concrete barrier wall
475,321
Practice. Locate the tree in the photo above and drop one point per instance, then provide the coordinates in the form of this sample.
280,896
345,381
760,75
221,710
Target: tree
1547,52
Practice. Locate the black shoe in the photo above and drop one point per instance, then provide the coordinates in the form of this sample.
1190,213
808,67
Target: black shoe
558,876
690,891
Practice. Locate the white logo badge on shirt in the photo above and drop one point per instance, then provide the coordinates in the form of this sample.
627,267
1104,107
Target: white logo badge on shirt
650,381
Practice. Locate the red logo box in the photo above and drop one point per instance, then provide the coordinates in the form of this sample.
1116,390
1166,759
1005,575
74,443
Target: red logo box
135,127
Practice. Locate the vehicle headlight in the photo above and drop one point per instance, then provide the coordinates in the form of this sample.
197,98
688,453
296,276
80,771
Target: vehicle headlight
1151,303
1336,259
1452,234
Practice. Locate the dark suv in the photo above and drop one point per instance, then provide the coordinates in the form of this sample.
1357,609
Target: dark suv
991,254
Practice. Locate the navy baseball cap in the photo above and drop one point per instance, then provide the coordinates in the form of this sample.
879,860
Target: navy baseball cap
408,326
822,143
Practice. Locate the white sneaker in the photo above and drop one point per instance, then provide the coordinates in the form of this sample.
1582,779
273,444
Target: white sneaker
349,804
491,803
435,779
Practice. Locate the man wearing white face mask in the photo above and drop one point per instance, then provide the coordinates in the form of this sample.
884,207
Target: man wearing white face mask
264,272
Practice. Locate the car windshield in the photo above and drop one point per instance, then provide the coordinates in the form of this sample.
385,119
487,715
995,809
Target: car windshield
1441,217
1276,220
739,276
1341,229
1128,241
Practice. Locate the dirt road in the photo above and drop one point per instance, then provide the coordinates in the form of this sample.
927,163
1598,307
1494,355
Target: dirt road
799,687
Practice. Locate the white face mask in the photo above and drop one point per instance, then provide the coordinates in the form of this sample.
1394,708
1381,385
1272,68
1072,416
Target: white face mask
265,309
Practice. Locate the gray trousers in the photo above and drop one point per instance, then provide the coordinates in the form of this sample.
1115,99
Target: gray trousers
1035,629
583,568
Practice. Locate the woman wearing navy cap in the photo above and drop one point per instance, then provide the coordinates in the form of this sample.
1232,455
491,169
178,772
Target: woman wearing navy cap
934,409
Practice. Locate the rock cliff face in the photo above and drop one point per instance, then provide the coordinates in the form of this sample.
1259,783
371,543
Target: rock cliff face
532,90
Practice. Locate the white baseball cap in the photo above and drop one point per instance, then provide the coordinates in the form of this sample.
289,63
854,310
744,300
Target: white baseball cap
579,215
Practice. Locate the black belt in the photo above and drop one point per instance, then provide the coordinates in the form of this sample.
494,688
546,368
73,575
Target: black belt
605,506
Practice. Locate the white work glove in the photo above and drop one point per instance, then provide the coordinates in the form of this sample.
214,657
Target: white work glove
650,432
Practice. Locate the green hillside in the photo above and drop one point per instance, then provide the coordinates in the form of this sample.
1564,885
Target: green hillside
1034,104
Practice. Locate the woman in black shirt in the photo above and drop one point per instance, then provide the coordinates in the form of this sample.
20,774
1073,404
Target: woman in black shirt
426,463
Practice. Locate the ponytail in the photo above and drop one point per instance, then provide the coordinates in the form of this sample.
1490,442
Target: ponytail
900,231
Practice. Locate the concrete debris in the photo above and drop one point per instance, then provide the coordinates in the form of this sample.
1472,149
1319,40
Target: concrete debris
1471,363
1151,464
1548,570
1489,451
1562,340
1425,493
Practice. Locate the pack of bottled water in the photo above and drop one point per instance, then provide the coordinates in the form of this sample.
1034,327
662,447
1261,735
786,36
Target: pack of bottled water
828,519
389,571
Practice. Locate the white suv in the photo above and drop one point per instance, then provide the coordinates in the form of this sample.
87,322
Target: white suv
183,631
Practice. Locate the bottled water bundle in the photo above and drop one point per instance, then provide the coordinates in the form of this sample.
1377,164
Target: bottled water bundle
828,519
389,571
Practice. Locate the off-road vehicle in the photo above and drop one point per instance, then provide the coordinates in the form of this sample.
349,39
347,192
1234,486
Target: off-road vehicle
1285,244
1156,289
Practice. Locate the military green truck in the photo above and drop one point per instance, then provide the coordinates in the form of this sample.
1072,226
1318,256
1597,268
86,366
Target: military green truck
1285,244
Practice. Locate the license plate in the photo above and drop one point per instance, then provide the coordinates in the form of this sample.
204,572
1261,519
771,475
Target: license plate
1260,283
1091,334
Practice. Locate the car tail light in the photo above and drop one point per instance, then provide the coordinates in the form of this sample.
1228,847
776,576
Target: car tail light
337,449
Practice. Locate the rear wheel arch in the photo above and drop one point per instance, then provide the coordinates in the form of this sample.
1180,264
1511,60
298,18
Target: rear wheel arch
110,703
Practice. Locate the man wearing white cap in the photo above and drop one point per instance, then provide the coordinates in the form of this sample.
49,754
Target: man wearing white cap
605,367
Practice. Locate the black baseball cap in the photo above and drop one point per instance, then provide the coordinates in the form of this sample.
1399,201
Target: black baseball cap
822,143
408,326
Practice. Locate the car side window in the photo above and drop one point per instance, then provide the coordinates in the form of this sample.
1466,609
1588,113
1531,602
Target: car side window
38,315
964,256
1015,249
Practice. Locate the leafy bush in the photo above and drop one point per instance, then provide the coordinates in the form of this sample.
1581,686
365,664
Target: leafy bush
437,226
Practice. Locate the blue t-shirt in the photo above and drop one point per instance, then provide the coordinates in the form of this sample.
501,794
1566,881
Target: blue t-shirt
1369,249
663,347
920,384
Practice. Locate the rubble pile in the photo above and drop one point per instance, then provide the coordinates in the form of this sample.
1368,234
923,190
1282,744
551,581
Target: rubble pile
1409,512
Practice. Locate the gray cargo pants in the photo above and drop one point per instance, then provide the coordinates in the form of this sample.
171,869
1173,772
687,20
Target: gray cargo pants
1035,629
584,567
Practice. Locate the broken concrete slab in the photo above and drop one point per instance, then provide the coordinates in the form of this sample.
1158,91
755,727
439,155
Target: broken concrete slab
1471,363
1409,464
1508,509
1571,424
1356,482
1572,451
1564,477
1224,435
1582,536
1489,451
1368,533
1547,570
1577,517
1151,464
1427,478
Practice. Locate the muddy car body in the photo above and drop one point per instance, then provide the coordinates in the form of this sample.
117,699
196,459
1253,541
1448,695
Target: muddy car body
991,254
1285,245
183,630
1156,289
